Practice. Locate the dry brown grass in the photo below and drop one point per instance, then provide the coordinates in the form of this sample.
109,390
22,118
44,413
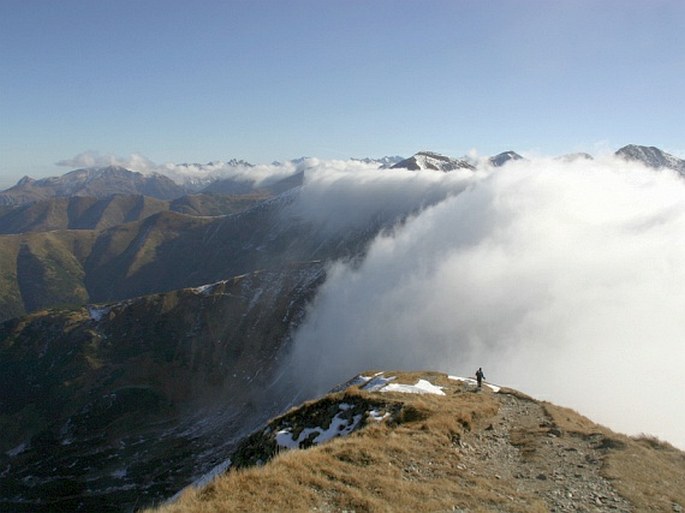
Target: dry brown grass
649,473
413,463
646,471
410,464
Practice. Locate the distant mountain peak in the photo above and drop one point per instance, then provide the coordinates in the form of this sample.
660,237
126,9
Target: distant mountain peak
653,157
502,158
97,182
383,162
432,160
26,180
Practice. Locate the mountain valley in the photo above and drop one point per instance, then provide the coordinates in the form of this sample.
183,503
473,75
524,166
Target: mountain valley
147,329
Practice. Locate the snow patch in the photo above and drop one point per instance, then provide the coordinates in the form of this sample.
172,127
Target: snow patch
381,383
339,426
421,387
120,473
471,381
17,450
376,382
377,415
96,313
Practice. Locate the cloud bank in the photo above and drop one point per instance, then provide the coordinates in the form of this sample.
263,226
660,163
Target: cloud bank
565,280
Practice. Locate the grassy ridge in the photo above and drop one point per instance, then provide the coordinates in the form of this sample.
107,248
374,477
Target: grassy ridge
453,453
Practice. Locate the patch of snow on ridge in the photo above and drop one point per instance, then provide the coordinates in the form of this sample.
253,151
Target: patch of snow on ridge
376,383
422,387
472,381
98,312
339,427
378,415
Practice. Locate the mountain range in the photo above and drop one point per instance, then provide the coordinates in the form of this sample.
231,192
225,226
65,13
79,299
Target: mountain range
96,182
145,327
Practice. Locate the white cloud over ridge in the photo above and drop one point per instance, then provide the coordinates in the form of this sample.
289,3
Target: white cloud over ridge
188,174
563,279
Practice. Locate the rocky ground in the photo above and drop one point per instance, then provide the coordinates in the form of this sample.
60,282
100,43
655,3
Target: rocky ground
562,469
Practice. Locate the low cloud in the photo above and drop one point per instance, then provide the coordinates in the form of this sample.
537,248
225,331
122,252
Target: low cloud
343,195
134,162
564,280
188,173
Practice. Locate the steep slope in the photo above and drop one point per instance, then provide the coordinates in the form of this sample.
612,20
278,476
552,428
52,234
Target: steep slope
217,204
91,213
428,442
96,182
653,157
79,213
430,160
39,270
123,261
107,406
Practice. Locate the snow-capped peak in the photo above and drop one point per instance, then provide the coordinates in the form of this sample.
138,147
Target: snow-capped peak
431,160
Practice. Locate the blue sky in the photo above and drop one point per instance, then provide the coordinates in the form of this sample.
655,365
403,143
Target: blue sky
271,80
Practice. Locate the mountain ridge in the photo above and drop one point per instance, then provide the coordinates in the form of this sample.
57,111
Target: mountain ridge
433,161
425,441
651,156
97,182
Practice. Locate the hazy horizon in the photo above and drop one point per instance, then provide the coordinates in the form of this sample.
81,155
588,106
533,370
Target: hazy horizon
269,80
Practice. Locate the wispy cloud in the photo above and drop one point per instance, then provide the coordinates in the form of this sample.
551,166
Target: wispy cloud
186,172
134,162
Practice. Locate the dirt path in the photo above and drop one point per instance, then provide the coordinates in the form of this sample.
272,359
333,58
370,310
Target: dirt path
525,450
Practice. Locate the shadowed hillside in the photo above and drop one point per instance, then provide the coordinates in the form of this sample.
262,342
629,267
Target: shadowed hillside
107,406
91,213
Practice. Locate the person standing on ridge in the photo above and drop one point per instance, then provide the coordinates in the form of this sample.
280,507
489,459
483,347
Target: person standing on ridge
480,376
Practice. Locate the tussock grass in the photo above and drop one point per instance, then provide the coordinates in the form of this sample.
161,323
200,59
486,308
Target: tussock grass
648,472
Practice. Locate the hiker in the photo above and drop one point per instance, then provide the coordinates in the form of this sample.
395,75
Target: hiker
480,376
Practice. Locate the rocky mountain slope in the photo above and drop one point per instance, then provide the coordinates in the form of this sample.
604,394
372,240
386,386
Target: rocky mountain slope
652,157
107,406
430,442
504,157
432,160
